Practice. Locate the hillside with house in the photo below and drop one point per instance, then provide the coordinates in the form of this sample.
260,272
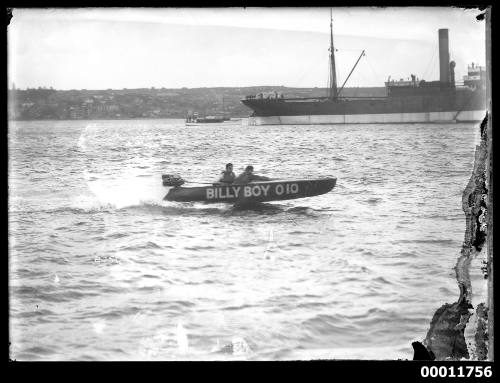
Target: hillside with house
52,104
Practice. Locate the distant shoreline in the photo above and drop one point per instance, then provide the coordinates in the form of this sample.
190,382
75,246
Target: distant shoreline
126,104
104,119
236,118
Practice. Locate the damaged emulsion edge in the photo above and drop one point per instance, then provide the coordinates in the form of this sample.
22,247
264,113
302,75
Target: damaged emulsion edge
447,338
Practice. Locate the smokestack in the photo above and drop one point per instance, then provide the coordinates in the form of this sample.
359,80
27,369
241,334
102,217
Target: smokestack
444,57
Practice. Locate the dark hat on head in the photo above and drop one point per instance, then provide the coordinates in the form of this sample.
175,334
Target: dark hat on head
249,167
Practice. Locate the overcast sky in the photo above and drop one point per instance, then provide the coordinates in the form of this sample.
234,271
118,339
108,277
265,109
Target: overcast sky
99,48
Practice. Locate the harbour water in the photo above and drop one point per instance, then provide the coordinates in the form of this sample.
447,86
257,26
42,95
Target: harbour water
101,268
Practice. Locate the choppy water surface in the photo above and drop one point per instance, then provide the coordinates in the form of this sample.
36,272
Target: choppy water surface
102,269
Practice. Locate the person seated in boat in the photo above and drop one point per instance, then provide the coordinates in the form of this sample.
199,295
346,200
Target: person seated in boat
227,176
248,176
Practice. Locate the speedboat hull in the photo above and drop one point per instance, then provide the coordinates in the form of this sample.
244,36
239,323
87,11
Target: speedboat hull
263,191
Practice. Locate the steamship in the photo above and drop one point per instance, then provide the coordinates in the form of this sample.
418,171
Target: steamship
408,101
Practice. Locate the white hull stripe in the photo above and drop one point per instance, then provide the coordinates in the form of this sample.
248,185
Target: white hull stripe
388,118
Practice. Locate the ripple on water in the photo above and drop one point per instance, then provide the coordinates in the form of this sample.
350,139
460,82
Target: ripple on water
331,325
381,280
38,351
199,248
143,246
48,293
374,201
35,313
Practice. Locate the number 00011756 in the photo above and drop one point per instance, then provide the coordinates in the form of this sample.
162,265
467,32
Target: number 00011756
456,372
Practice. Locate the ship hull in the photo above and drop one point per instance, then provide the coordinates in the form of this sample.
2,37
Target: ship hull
381,118
432,106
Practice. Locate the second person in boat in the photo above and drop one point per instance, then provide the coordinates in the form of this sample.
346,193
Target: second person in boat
248,176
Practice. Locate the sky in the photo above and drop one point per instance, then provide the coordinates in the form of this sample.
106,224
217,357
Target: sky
102,48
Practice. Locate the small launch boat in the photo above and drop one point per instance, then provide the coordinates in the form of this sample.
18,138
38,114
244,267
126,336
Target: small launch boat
261,191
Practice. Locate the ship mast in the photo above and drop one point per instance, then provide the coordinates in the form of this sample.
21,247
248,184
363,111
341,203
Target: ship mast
333,73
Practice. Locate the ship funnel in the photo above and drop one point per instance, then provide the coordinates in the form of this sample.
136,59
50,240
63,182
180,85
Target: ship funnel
444,57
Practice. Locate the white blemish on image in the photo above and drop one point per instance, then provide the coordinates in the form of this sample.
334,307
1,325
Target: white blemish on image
182,338
99,326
